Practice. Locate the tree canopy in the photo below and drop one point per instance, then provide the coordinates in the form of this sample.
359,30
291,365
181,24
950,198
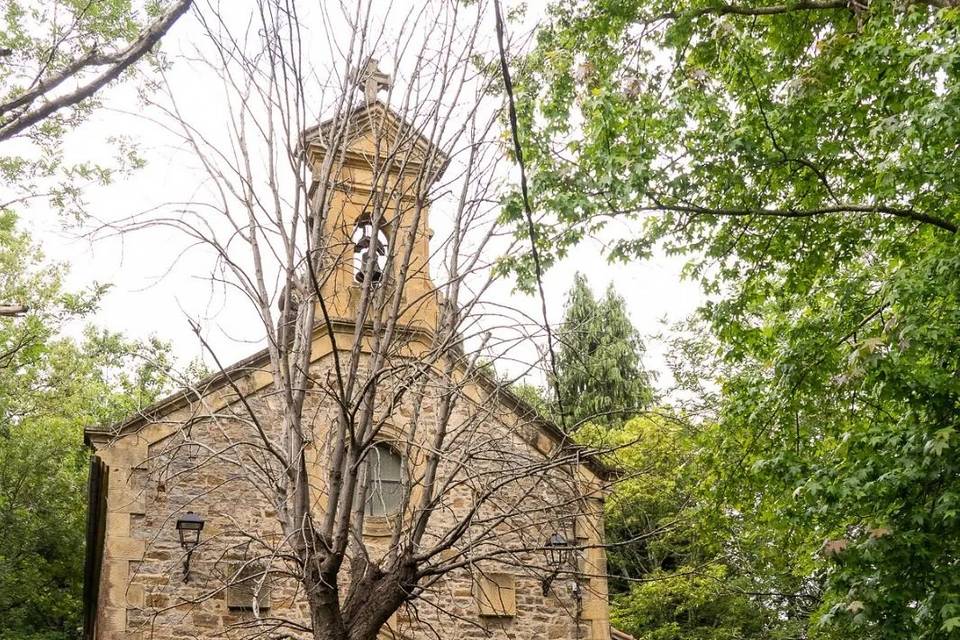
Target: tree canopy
679,567
59,54
56,58
804,156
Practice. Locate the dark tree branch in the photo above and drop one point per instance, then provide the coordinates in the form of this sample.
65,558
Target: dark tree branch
897,212
776,9
733,9
12,310
116,64
527,208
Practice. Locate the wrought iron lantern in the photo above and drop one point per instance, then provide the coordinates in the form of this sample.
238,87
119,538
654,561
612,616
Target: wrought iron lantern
189,526
557,551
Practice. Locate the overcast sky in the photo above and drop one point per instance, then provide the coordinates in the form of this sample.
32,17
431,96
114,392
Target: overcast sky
157,287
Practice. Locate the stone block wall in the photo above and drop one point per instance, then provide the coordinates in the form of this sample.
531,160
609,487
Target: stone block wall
202,457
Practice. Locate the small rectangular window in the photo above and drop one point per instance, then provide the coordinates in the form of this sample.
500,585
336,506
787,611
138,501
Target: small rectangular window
496,595
247,583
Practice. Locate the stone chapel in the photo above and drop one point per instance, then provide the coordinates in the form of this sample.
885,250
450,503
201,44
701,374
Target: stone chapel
165,558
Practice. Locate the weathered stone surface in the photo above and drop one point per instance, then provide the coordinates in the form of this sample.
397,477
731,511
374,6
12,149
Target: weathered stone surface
168,606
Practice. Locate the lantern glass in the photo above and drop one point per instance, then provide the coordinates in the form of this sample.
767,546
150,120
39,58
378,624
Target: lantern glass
189,527
556,550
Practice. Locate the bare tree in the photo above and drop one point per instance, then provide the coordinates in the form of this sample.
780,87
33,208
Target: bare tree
368,466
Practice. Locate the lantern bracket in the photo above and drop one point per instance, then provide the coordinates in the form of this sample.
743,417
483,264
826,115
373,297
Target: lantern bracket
189,526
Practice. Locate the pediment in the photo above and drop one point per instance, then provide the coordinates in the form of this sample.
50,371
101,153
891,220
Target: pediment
252,375
374,132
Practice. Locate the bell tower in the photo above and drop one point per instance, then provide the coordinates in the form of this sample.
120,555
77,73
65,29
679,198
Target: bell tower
373,169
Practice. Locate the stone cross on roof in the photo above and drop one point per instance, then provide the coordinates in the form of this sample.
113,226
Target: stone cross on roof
374,80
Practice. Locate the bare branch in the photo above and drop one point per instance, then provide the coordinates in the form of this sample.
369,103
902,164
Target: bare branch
897,212
13,310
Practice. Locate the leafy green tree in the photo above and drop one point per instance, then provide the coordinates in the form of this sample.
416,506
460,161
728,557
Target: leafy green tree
56,59
699,604
534,396
804,155
677,568
600,374
649,512
680,567
59,54
51,388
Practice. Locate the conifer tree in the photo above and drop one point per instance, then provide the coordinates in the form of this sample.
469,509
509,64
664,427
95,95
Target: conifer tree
601,378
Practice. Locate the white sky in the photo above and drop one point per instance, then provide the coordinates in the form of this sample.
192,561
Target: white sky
156,289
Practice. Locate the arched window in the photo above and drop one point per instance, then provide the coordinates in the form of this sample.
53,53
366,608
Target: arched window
369,243
384,488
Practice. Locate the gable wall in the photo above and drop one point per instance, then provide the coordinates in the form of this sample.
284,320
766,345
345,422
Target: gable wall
155,478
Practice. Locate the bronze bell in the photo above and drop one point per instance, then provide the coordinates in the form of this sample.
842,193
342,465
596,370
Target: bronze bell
363,247
376,274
